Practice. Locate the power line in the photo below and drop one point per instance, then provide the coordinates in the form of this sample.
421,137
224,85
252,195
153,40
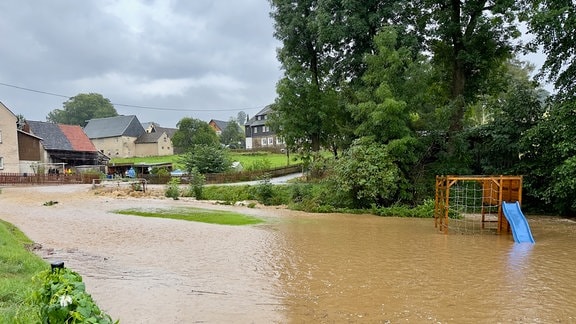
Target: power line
131,106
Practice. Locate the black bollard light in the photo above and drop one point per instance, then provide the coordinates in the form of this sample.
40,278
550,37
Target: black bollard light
57,265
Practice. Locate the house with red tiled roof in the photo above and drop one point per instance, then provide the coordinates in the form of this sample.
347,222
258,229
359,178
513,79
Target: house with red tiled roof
65,145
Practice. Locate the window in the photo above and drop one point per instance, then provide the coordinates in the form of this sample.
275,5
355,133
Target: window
279,140
255,130
1,163
270,140
264,142
266,128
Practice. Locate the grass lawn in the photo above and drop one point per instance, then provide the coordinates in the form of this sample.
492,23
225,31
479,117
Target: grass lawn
274,160
195,215
17,267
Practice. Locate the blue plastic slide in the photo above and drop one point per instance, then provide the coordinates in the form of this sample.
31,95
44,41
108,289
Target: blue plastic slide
518,223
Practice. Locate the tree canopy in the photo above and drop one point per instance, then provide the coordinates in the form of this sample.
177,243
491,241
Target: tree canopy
553,23
81,108
429,87
192,132
232,136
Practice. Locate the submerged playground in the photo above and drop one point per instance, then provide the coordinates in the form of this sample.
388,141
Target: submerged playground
479,204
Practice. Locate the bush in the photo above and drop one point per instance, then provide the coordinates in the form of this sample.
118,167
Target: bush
263,164
230,194
173,189
206,159
62,298
366,171
196,185
265,190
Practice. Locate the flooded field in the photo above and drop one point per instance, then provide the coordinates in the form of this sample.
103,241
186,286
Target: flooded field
349,268
299,268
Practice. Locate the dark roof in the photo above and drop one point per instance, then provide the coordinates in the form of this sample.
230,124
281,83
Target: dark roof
253,122
157,128
169,131
265,111
114,127
220,124
149,137
61,137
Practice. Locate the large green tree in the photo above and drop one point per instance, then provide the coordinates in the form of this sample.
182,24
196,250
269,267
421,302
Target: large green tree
468,40
81,108
507,116
192,132
324,43
553,23
549,160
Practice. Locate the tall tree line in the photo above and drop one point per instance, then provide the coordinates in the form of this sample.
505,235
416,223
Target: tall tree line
434,85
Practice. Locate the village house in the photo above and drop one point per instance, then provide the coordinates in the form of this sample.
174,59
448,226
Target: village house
125,136
259,135
155,141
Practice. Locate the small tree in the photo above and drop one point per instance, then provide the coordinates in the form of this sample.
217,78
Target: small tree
196,186
192,132
206,159
232,136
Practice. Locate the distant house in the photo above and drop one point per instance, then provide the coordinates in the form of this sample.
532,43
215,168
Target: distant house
259,135
115,136
156,141
9,155
218,125
67,145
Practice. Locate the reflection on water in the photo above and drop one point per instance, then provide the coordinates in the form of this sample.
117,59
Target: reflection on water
351,268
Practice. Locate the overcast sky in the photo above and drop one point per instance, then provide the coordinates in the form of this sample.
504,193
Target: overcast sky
207,59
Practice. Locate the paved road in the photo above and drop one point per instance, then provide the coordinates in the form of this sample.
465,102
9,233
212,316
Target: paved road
278,180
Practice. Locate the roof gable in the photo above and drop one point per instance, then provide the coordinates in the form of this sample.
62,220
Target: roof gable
7,109
220,124
114,127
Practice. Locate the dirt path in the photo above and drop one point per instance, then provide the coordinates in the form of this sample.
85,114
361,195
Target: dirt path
147,270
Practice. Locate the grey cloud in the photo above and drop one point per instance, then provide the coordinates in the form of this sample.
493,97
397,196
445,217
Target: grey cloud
68,47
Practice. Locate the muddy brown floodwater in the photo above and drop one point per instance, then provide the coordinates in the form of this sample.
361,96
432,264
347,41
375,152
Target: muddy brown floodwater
296,267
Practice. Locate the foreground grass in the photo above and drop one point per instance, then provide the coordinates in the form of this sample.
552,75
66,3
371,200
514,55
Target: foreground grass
17,267
195,215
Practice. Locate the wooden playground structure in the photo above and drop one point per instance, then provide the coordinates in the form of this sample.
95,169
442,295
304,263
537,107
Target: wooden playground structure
483,195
